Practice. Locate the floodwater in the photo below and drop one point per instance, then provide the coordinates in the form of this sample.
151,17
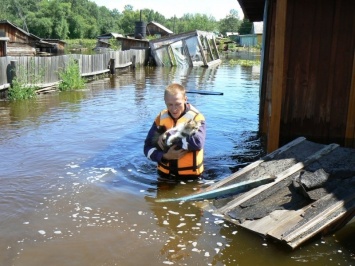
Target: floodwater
76,188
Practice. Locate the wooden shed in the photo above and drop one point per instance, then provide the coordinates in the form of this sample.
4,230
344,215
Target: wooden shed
128,43
57,46
20,42
308,70
254,38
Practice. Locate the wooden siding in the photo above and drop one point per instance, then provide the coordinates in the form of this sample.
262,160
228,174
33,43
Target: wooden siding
15,35
315,72
20,49
2,48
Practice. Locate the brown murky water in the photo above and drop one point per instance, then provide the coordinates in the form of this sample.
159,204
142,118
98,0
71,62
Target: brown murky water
77,190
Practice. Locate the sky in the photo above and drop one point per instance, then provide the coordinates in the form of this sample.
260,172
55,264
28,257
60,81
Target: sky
219,9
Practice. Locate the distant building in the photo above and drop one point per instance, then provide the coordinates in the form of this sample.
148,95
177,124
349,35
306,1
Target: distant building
14,41
103,41
158,30
254,38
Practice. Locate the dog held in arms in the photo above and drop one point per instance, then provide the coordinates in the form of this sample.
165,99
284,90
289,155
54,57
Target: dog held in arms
176,134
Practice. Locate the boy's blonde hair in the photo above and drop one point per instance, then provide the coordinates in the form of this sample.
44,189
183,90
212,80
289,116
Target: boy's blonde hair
174,88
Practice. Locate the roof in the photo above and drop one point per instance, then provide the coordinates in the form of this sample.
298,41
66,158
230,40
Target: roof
160,26
17,27
54,40
253,9
110,35
258,27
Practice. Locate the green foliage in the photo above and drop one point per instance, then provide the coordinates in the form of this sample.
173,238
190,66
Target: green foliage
114,44
20,91
244,62
21,87
83,44
245,27
70,77
230,24
76,19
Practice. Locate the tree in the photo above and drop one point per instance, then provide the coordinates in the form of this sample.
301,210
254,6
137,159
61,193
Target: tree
245,27
231,23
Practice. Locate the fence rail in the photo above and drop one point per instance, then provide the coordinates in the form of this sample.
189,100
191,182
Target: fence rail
45,70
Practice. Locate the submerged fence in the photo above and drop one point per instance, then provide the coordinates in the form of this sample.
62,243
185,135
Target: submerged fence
44,71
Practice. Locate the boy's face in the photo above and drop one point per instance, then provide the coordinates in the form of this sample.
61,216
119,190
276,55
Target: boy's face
175,104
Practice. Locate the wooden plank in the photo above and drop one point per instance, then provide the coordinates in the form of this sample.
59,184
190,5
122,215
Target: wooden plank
275,223
124,65
253,165
278,76
95,73
287,221
5,86
279,177
318,218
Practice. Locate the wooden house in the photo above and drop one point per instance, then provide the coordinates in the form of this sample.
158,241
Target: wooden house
194,48
158,30
15,41
307,85
19,43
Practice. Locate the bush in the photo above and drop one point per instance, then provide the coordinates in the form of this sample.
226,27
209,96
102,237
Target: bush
19,91
22,87
70,77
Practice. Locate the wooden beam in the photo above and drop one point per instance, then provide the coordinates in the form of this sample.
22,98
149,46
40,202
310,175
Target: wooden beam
278,76
350,124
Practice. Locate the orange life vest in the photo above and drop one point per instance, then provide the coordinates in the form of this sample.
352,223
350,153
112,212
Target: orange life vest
192,162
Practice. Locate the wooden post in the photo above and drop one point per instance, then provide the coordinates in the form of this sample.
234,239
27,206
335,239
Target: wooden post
350,123
13,71
133,61
278,83
112,66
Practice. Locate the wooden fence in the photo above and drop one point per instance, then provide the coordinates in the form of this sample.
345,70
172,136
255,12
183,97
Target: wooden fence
44,71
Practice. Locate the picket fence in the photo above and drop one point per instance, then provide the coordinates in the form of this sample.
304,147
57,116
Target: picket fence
44,71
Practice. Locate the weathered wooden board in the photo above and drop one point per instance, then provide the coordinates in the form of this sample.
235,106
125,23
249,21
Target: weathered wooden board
285,210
